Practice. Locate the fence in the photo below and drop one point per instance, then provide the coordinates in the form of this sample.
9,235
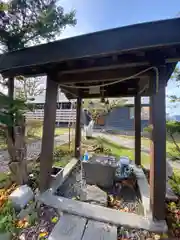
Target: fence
62,115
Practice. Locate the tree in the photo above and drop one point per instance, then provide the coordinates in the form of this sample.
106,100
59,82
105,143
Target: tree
24,23
102,107
26,88
176,78
16,146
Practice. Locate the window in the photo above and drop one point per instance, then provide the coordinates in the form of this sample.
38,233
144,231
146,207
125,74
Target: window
144,113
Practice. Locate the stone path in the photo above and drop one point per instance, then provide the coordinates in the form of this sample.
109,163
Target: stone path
129,143
72,227
33,150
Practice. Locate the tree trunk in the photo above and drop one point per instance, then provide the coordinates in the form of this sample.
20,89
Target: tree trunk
17,151
16,144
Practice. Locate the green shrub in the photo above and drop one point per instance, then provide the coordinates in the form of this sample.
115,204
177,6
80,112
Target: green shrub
173,127
175,184
62,151
33,127
148,129
101,149
7,218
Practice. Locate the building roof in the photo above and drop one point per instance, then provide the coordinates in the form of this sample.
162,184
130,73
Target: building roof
102,57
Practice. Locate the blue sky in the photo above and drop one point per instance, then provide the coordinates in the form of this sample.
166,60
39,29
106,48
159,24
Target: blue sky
96,15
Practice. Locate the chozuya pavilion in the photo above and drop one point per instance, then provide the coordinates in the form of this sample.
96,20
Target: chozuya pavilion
131,61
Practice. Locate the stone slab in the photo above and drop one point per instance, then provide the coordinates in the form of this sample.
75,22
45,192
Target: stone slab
94,195
57,182
69,227
21,196
98,231
143,189
26,211
102,214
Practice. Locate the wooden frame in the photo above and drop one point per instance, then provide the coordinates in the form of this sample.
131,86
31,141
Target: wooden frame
137,120
78,128
158,148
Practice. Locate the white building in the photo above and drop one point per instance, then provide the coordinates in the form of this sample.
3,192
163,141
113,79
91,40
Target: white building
65,113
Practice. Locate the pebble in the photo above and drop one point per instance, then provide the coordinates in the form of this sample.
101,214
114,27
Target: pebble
136,234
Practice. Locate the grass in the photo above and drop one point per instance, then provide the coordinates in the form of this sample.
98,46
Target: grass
58,131
118,151
146,143
115,149
62,162
63,154
37,136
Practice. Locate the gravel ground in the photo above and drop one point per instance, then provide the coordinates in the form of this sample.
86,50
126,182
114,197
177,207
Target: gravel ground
136,234
44,224
33,150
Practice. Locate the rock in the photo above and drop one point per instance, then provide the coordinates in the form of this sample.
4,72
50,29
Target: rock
93,194
170,195
21,196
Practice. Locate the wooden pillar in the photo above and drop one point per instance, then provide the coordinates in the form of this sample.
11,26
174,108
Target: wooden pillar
158,150
137,129
46,156
78,128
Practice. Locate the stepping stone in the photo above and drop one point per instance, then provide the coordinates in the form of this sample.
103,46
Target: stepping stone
93,194
98,231
21,196
69,227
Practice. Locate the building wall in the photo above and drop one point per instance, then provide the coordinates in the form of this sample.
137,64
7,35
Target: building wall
121,119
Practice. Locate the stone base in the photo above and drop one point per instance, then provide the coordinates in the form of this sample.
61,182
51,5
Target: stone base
94,195
5,236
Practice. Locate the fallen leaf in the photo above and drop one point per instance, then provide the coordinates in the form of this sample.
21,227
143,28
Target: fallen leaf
164,235
54,219
157,237
43,234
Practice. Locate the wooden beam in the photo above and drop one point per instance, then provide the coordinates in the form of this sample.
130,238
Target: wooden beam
46,157
110,66
102,75
137,119
158,148
78,128
102,43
